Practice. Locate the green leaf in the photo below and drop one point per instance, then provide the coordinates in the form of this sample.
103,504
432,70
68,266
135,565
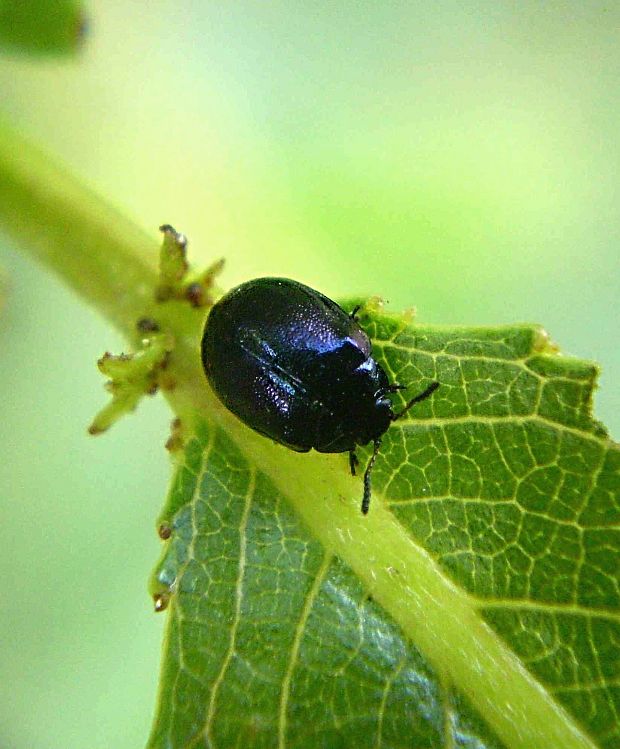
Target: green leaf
477,605
41,26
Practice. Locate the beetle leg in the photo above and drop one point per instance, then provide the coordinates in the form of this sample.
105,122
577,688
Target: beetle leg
354,311
422,396
367,484
354,461
395,387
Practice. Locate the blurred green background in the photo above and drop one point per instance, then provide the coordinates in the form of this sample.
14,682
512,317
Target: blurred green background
462,158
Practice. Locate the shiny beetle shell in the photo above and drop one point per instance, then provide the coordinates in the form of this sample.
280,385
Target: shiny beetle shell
295,367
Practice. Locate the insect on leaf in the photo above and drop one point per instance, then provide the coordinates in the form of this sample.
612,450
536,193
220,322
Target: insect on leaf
476,605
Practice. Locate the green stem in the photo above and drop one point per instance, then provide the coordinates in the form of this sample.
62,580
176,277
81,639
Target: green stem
60,222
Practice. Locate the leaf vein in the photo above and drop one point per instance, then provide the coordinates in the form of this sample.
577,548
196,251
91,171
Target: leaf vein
208,726
294,653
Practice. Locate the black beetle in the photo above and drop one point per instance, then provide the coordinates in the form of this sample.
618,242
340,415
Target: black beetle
294,366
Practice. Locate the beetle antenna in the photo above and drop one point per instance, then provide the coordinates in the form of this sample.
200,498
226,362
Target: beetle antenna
367,484
422,396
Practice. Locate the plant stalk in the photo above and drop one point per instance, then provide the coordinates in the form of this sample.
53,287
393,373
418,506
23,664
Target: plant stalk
54,218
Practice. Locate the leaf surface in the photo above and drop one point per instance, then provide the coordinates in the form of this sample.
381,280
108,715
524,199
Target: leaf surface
42,27
477,605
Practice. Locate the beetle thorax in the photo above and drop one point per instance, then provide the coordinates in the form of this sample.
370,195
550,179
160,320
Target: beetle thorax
357,412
